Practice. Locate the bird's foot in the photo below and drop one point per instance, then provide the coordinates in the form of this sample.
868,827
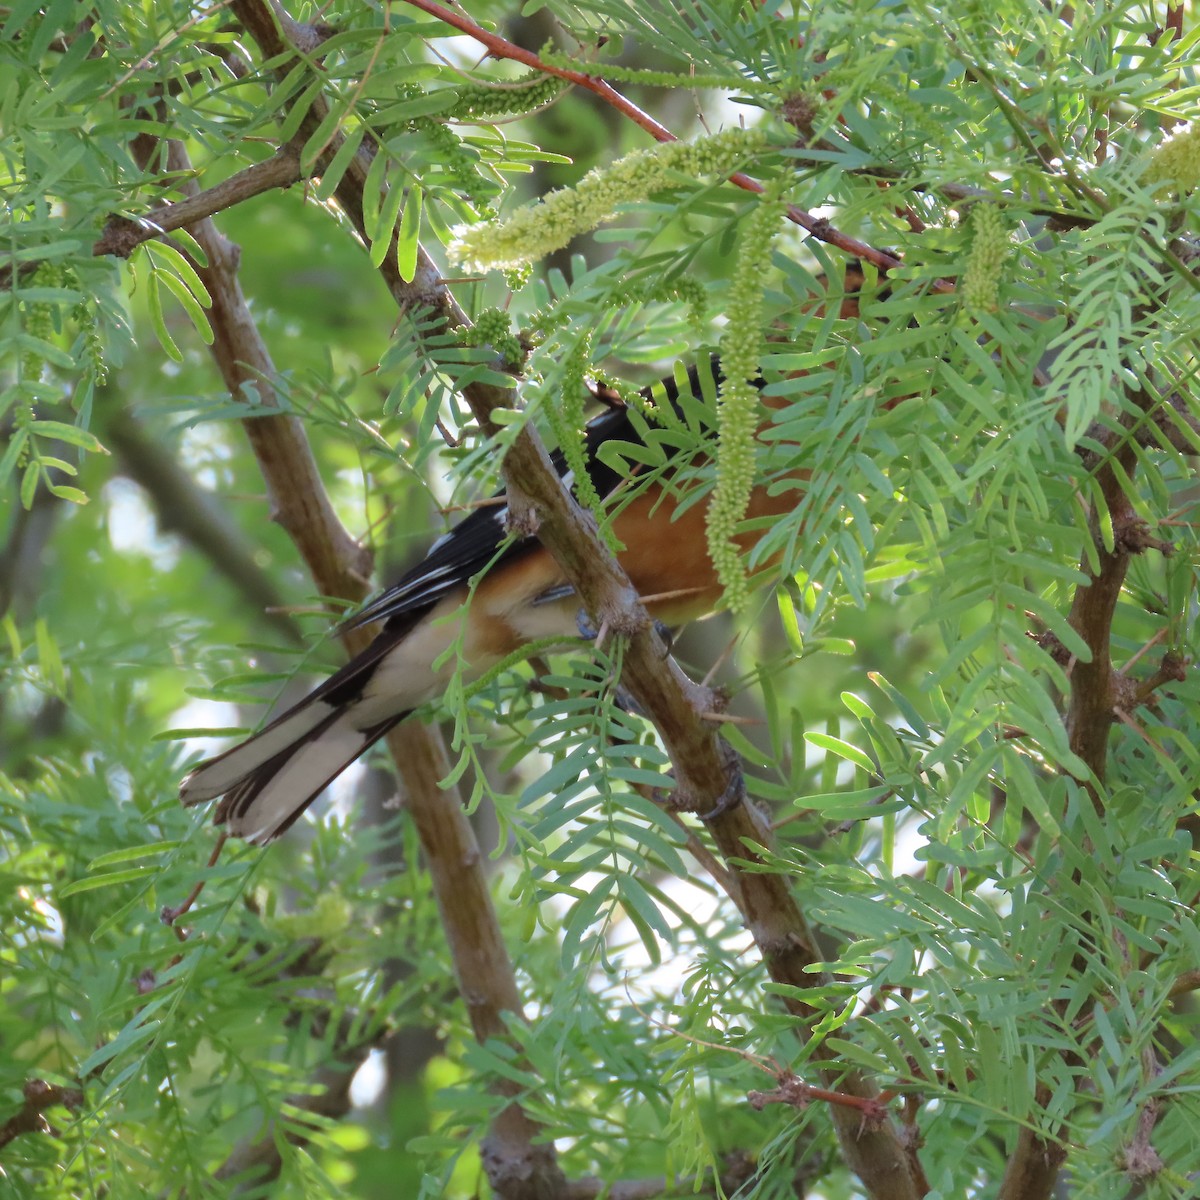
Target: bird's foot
735,788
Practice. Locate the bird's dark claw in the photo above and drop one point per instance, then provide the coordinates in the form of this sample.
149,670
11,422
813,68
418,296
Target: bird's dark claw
668,637
584,624
735,789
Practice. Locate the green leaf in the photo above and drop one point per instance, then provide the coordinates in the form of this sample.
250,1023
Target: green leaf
195,313
864,802
46,351
72,495
132,853
339,164
583,915
18,14
12,452
373,191
320,139
165,340
50,662
29,482
407,243
175,261
138,1030
389,210
71,434
112,879
834,745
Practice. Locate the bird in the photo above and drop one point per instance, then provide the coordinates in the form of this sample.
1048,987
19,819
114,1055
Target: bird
266,782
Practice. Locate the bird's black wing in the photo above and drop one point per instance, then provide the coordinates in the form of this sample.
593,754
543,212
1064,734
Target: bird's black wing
476,541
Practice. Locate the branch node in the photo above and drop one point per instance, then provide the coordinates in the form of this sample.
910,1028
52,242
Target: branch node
1139,1159
1053,646
122,234
735,788
1124,692
1133,536
522,518
39,1096
1171,669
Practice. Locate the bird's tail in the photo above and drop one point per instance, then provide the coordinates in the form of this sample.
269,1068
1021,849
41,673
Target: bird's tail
269,780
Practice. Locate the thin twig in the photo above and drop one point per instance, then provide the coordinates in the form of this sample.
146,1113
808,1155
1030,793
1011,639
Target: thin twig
171,913
500,47
122,235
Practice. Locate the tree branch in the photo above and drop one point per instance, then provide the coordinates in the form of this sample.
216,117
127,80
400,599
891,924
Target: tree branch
39,1096
499,47
705,777
1099,694
1032,1169
518,1163
1189,981
122,235
1093,694
339,567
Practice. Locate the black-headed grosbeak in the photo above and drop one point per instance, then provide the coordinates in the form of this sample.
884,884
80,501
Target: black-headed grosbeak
268,780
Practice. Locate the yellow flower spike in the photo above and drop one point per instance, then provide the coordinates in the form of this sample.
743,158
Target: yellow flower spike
532,233
985,262
1176,163
737,401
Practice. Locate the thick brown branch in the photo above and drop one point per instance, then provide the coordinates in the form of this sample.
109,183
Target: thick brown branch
339,567
1033,1166
1090,713
1139,1159
30,1117
516,1162
1172,669
703,772
299,503
520,1166
1189,981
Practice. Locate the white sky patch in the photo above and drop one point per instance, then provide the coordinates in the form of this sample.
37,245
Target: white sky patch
38,899
132,528
463,51
721,112
908,839
206,714
344,790
202,452
646,982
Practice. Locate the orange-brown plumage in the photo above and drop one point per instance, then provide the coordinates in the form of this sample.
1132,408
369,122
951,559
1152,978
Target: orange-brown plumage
486,594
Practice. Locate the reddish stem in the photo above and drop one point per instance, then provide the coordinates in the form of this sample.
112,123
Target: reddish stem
501,47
